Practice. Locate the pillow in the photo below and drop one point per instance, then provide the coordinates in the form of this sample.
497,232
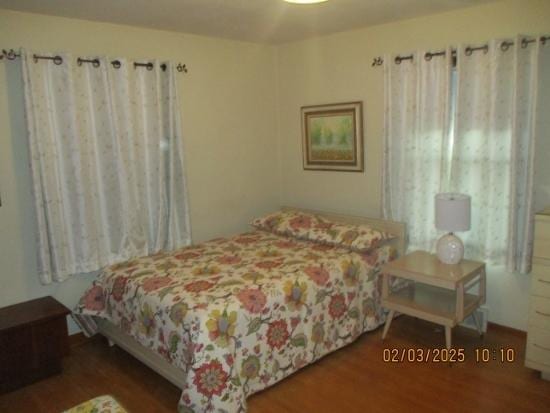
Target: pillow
301,225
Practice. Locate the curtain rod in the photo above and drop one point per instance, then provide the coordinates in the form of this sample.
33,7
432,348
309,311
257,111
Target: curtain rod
504,46
117,64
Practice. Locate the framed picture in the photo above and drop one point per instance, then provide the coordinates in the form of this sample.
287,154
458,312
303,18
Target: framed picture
332,137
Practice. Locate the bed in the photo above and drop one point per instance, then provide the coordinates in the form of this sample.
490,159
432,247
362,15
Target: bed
232,316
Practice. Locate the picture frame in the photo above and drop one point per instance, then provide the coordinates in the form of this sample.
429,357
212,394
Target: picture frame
332,137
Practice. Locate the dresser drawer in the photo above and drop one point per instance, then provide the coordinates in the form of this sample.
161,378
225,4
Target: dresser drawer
540,282
539,313
538,346
542,238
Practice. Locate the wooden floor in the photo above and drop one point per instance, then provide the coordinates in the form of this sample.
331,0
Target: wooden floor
354,379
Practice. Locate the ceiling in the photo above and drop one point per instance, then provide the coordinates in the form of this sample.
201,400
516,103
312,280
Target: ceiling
265,21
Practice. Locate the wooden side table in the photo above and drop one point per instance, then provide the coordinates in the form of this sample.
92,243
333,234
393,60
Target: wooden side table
33,339
437,292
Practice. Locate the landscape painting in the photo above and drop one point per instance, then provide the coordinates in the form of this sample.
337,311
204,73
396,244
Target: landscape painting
332,137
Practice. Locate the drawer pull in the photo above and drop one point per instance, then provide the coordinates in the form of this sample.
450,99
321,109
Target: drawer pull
541,313
544,281
542,347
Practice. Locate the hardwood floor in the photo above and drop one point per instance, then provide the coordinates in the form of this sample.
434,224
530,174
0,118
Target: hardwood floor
354,379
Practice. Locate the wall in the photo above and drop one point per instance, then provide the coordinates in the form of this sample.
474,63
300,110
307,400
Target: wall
228,101
337,68
542,166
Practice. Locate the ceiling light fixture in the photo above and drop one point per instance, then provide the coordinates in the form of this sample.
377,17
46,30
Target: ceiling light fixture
305,1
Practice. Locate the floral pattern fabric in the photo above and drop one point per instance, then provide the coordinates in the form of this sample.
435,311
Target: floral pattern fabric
240,314
470,129
360,238
494,150
101,404
416,142
107,162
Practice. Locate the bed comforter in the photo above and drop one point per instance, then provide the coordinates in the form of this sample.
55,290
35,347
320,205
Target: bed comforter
240,314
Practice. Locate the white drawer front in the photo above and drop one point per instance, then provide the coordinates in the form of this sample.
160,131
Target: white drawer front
542,239
538,346
540,283
539,314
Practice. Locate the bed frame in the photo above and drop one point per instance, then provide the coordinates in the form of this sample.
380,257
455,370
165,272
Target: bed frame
153,360
115,336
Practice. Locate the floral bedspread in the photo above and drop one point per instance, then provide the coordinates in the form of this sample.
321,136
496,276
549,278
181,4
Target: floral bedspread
240,314
101,404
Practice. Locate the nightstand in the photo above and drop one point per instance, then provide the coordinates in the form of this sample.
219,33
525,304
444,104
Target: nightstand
33,339
436,292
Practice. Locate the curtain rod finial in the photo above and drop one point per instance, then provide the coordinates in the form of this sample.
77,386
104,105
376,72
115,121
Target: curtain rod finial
9,54
377,61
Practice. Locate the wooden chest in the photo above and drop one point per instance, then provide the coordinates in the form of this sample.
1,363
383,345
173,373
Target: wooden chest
33,340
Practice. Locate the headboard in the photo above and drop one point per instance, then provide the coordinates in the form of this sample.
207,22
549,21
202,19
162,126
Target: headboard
398,229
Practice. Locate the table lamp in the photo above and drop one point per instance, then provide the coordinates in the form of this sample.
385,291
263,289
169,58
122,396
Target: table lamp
452,213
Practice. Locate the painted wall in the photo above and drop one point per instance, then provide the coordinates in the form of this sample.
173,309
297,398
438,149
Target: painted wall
542,166
337,68
228,106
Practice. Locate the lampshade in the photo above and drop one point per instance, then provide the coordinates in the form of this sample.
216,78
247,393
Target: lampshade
452,212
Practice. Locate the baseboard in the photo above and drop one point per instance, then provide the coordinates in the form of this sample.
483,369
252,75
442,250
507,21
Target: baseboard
486,325
77,339
482,314
506,329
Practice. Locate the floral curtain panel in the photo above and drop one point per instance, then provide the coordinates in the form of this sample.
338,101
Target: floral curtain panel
416,134
107,163
493,151
486,148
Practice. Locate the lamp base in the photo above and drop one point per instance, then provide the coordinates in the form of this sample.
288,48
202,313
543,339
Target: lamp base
450,249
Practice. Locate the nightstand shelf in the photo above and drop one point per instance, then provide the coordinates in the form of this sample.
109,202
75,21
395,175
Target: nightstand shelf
431,303
436,291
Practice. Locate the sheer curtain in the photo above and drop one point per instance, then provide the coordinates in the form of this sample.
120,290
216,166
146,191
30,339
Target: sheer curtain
493,154
107,163
486,150
415,142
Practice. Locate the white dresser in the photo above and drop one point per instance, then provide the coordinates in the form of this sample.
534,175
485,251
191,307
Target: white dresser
538,333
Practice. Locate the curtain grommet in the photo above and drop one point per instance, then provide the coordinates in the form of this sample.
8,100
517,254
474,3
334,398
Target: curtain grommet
504,46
